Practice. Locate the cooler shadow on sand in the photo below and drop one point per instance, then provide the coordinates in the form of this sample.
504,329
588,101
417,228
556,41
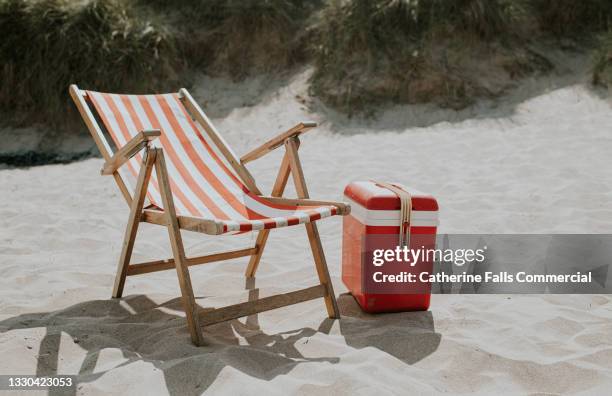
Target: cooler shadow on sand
144,331
408,336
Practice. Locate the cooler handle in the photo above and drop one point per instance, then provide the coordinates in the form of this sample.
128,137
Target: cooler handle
405,210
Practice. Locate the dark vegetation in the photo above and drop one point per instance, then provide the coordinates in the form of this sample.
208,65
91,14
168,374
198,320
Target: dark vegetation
446,52
240,37
602,69
571,18
48,44
365,53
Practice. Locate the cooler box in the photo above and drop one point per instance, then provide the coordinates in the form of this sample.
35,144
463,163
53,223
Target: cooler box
374,223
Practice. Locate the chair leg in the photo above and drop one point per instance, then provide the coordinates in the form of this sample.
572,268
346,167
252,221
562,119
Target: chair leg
262,236
260,244
322,271
178,251
291,146
133,221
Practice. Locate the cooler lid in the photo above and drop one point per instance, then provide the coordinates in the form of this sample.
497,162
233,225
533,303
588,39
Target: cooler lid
372,196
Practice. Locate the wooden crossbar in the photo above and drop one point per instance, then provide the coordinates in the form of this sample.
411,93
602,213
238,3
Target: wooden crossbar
185,222
130,149
342,207
163,265
277,141
261,305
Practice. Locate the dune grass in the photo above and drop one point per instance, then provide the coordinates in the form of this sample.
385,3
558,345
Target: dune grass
48,44
586,24
378,51
136,46
255,36
571,18
236,38
365,53
602,68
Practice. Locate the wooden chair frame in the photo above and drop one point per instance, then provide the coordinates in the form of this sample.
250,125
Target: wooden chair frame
154,158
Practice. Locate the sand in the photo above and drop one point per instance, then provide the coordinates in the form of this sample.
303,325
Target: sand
538,165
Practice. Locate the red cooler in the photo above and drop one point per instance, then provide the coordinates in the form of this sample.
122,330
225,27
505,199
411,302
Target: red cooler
374,224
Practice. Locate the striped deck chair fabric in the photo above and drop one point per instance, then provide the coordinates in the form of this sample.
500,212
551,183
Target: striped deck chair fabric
203,183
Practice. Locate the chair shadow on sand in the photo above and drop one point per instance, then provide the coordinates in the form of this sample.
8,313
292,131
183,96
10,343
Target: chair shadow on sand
151,333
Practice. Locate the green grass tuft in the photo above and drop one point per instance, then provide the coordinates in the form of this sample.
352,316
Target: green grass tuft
602,69
48,44
571,18
365,53
400,51
237,38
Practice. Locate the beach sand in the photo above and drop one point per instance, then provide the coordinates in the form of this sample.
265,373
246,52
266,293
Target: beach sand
540,165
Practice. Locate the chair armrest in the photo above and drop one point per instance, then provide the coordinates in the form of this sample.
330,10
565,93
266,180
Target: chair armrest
277,141
343,208
130,149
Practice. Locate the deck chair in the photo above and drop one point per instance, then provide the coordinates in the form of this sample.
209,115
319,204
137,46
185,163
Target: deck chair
200,185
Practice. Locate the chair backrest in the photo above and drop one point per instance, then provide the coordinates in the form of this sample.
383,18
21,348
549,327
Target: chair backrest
205,176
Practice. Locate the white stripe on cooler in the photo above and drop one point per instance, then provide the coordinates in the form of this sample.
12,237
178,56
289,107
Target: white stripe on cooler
381,191
391,218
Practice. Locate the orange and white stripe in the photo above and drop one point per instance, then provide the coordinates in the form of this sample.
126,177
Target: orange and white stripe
203,183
